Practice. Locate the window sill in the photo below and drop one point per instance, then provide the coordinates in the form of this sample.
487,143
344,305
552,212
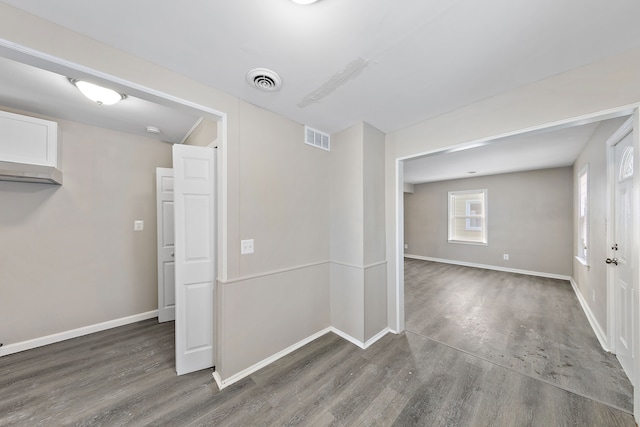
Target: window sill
582,261
468,243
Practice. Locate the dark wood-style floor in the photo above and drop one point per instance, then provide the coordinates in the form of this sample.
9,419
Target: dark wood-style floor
473,354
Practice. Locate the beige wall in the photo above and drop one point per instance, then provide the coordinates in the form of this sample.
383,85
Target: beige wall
373,196
347,232
347,204
281,293
358,267
70,257
262,194
529,218
374,257
284,193
204,134
592,280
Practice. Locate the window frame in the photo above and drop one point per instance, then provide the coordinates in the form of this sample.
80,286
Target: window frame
583,216
451,230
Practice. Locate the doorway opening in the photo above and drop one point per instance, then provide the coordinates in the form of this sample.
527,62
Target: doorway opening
400,248
42,61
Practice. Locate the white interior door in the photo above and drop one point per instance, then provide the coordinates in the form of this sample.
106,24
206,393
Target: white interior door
166,266
194,184
622,260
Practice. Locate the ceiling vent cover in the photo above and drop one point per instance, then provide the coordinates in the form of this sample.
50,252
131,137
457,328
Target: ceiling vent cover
317,138
264,79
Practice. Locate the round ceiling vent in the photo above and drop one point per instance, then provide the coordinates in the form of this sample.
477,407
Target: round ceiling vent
264,79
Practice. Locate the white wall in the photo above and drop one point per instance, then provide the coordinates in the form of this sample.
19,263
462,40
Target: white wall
70,257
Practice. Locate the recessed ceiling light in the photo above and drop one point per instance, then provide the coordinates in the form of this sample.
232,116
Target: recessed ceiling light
98,94
304,1
154,130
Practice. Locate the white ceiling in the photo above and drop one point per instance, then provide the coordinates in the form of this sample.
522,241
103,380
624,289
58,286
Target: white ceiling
35,90
515,154
388,63
421,58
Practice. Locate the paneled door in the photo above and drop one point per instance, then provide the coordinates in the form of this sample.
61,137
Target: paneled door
166,265
194,184
622,260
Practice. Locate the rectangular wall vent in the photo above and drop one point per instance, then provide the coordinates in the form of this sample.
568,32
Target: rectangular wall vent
316,138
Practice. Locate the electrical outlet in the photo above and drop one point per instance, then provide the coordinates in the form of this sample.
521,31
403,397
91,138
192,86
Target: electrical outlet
406,246
246,246
505,257
138,225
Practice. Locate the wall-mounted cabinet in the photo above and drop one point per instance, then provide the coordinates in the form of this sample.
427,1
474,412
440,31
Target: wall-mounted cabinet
28,149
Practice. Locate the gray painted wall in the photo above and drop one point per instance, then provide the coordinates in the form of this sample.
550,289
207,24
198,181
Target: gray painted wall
70,257
529,218
592,280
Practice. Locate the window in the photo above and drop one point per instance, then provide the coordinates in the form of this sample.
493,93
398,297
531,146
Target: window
468,217
626,165
583,214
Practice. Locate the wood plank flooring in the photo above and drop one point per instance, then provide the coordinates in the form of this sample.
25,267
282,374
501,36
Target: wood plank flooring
532,325
125,376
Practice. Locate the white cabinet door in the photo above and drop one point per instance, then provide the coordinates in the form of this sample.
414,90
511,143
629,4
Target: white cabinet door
166,265
194,184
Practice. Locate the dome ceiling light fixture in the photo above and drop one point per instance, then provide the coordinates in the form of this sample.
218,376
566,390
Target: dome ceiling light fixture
98,94
264,79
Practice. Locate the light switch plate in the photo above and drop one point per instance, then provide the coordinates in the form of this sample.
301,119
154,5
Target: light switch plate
138,225
246,246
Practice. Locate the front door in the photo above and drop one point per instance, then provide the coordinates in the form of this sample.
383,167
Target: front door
622,259
194,184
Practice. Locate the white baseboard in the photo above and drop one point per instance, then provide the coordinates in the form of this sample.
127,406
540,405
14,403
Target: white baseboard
256,367
347,337
362,345
597,329
74,333
218,380
376,337
491,267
